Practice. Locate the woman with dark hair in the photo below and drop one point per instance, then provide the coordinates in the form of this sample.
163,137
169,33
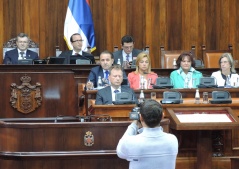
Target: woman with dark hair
185,76
226,76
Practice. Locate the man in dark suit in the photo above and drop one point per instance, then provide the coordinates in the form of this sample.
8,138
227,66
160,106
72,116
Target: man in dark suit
21,52
107,94
106,61
127,53
76,42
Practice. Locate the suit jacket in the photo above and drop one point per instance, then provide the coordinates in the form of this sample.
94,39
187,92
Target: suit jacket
118,55
68,54
104,96
96,72
11,56
221,82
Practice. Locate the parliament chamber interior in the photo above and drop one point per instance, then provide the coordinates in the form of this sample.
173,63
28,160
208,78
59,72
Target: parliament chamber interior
60,126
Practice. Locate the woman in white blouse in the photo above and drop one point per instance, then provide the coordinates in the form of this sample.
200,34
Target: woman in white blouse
226,76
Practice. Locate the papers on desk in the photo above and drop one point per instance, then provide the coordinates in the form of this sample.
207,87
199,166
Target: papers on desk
202,118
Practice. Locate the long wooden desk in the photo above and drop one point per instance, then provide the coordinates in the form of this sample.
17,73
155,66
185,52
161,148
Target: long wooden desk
37,143
186,93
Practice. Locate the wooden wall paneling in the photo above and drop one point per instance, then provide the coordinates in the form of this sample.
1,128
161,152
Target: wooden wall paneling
236,44
43,22
52,26
62,7
1,27
189,24
98,14
136,23
174,24
223,19
109,22
211,26
162,12
34,12
201,36
123,21
115,38
150,29
232,24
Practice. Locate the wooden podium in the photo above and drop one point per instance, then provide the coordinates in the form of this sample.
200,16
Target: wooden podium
61,142
204,121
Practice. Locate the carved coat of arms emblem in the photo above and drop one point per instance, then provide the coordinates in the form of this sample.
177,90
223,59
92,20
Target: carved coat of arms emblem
26,97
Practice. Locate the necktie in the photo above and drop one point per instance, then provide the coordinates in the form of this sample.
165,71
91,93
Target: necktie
77,54
22,53
106,74
116,91
127,58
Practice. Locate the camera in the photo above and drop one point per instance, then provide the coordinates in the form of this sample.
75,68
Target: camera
134,115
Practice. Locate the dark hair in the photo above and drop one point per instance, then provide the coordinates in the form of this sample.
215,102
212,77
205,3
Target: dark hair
151,112
107,52
71,38
22,35
182,56
126,39
115,67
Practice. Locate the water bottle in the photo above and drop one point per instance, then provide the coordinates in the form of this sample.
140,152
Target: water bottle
118,62
197,97
88,49
149,83
99,82
141,82
174,63
147,49
141,97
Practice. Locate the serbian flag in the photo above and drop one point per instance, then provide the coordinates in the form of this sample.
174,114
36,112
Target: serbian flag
79,20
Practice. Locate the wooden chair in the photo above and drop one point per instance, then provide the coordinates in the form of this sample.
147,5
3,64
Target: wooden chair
167,56
11,44
211,57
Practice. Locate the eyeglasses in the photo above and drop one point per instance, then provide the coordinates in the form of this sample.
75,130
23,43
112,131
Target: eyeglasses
22,41
223,62
128,47
78,40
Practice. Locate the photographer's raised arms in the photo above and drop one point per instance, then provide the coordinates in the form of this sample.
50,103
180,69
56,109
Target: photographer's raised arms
144,144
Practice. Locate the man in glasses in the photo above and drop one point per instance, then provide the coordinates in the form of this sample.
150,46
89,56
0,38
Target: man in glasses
21,52
72,55
127,54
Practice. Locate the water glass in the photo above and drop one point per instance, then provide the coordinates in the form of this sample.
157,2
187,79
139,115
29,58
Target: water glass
205,97
153,95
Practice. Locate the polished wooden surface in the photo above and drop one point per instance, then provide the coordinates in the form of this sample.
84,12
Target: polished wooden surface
186,93
204,131
58,90
117,112
43,143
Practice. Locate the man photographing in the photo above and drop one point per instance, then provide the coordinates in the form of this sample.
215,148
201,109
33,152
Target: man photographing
151,148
